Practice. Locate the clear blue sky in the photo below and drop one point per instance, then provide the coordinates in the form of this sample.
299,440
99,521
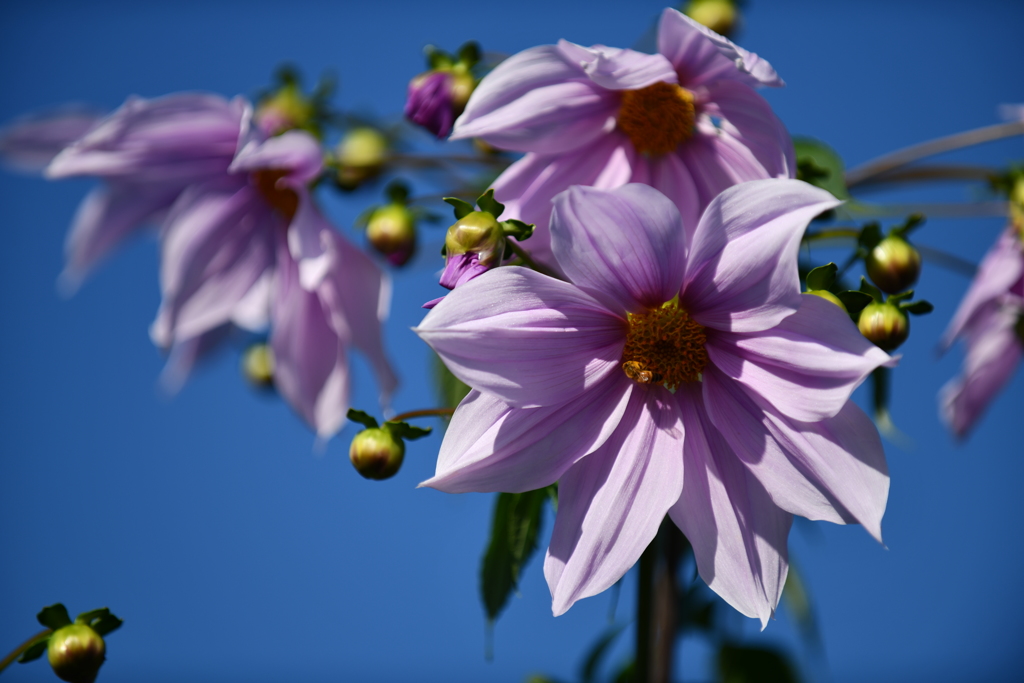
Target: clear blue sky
235,553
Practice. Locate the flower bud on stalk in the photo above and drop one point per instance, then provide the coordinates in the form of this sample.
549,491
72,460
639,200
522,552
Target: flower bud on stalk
286,109
721,16
360,156
474,244
436,97
827,296
376,453
884,324
391,230
893,264
76,653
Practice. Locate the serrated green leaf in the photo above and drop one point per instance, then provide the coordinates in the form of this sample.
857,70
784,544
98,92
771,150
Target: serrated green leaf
921,307
870,236
515,527
362,418
35,650
54,616
747,664
902,296
518,229
819,165
592,662
822,277
488,203
450,389
462,209
407,431
869,289
854,301
469,53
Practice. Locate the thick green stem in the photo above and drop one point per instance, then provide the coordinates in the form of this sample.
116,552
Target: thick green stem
656,606
645,591
426,412
9,659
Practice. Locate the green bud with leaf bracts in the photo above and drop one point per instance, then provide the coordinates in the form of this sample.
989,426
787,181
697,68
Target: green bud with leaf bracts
360,156
884,324
476,233
893,264
827,296
286,109
721,16
377,453
76,653
391,229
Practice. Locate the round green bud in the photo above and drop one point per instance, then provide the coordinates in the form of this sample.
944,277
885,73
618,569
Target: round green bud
462,86
360,156
893,265
1017,206
258,365
884,324
476,233
76,653
827,296
392,231
286,109
718,15
376,453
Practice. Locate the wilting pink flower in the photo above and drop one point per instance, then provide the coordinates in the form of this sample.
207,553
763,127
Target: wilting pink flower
989,320
686,121
31,143
249,247
674,373
147,152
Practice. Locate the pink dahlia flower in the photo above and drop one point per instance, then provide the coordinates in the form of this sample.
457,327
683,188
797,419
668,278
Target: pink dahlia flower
676,372
686,121
250,248
990,320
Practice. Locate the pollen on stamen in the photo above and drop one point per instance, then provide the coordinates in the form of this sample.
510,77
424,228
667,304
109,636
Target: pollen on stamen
658,118
664,346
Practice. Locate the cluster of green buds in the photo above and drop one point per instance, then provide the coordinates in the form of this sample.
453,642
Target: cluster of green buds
359,157
288,107
76,650
377,452
721,16
391,227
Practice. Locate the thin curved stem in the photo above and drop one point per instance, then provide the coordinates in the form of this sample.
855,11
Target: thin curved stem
832,234
9,659
902,157
935,210
931,173
426,412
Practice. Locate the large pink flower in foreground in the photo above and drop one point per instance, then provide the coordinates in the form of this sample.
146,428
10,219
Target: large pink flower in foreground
675,373
686,121
990,319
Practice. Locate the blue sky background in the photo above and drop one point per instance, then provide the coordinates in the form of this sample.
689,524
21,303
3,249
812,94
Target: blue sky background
236,553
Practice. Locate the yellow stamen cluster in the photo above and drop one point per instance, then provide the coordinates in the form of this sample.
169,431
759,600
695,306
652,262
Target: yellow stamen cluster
657,118
283,199
664,346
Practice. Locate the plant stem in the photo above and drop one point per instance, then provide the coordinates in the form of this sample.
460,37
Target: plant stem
926,173
426,412
831,234
528,260
940,210
656,606
645,590
9,659
904,156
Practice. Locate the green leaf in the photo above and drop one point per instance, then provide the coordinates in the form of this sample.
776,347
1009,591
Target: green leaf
870,289
450,389
902,296
488,203
35,650
917,307
55,616
462,209
437,59
362,418
746,664
517,229
819,165
397,192
404,430
870,236
854,301
591,663
469,53
100,620
914,221
822,277
514,530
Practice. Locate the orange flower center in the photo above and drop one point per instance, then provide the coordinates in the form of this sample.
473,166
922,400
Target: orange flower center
664,346
657,118
283,199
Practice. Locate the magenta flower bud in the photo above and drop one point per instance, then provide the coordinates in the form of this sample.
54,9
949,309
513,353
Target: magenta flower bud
377,453
885,325
473,245
76,653
392,231
436,98
893,265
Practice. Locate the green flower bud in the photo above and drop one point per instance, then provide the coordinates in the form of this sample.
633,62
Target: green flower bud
286,109
721,16
884,324
462,86
893,265
76,653
258,365
391,230
360,156
376,453
827,296
476,233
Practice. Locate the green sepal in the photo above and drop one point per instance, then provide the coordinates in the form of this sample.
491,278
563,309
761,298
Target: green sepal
854,301
517,229
469,53
488,203
592,662
35,650
100,620
363,219
869,289
515,528
822,277
55,616
362,418
747,664
437,59
902,296
404,430
820,165
462,209
870,236
921,307
397,192
914,221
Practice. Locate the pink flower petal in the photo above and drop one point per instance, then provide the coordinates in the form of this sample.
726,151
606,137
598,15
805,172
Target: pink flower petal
611,503
617,69
491,446
30,143
527,338
748,123
306,243
296,152
624,244
741,271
